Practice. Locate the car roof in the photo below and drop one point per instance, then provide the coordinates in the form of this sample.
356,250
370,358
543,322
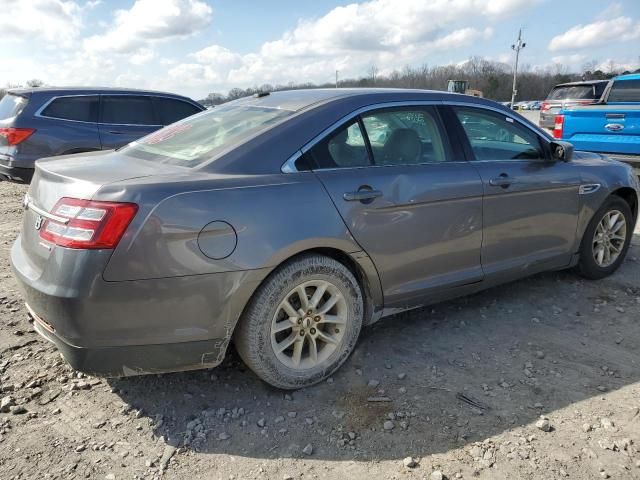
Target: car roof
583,82
296,100
629,76
89,90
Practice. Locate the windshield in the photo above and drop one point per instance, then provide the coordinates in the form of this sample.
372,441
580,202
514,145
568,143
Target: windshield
11,105
572,92
196,139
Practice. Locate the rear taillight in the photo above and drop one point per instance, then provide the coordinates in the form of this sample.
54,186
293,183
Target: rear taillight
544,107
15,136
87,224
558,127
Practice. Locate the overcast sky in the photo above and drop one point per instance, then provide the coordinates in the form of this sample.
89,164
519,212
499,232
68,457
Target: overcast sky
198,46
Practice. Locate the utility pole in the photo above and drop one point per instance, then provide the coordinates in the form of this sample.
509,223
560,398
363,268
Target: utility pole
336,78
519,45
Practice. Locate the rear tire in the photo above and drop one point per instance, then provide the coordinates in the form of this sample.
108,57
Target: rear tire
606,240
292,342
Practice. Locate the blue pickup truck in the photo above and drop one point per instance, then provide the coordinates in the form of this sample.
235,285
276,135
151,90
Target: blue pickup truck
611,126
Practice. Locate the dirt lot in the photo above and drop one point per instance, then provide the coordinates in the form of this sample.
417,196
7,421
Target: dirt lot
551,345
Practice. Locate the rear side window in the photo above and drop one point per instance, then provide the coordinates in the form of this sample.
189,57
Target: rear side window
344,148
128,110
11,105
625,91
80,109
577,92
172,110
498,137
404,137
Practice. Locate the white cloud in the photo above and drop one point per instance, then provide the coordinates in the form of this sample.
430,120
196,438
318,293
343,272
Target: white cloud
596,34
56,22
149,21
351,38
142,56
572,59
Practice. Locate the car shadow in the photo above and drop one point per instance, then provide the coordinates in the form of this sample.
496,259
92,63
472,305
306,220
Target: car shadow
445,376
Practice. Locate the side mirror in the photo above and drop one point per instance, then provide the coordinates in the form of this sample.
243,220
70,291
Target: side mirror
561,151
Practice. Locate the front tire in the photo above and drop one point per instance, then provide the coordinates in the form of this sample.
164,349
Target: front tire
606,240
302,323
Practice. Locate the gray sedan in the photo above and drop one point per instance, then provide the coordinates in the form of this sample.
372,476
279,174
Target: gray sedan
287,221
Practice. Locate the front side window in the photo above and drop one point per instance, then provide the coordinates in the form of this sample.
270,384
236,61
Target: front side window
625,91
404,137
79,109
198,138
172,110
494,136
128,110
343,148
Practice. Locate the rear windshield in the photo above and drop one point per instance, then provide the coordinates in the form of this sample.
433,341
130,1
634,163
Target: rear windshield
573,92
197,139
11,105
625,91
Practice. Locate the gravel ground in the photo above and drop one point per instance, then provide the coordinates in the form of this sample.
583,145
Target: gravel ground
461,388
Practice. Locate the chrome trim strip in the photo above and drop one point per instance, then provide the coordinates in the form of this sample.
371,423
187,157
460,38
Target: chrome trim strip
289,165
29,205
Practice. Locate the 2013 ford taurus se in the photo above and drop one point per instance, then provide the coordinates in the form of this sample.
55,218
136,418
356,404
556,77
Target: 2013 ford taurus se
287,221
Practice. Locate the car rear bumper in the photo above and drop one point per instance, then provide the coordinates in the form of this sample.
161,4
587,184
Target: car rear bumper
14,174
131,327
125,361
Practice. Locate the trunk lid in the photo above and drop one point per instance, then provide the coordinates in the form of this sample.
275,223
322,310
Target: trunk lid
77,176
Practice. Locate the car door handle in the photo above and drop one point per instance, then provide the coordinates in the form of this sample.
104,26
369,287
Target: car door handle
117,132
502,181
361,195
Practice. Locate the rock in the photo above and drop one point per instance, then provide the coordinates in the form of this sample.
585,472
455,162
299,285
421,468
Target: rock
278,419
601,388
6,403
261,423
308,450
110,476
169,450
607,423
402,390
81,448
287,477
330,380
18,409
388,425
409,462
292,414
544,424
476,452
373,383
540,354
586,427
402,376
148,463
436,475
224,436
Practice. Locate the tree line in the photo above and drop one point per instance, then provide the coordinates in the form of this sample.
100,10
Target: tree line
494,79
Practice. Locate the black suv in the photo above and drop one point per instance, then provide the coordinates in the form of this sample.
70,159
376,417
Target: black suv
45,122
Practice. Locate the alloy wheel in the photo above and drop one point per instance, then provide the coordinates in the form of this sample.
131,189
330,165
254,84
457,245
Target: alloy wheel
609,238
308,325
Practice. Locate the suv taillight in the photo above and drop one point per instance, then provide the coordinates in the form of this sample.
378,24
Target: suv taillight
15,136
558,127
88,224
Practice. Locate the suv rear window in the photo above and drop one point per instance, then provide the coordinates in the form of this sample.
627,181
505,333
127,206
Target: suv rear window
79,109
171,110
128,110
11,105
625,91
585,92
